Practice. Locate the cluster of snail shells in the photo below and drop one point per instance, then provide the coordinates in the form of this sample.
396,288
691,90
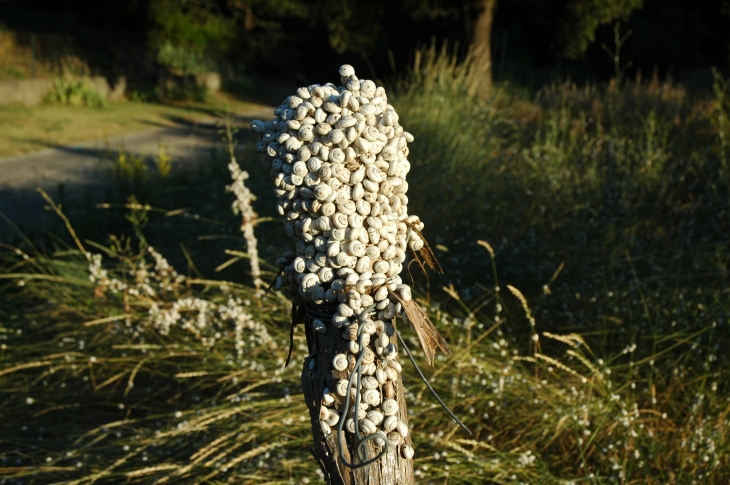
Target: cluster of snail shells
377,409
338,159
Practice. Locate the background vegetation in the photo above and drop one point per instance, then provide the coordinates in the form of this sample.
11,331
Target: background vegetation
532,41
589,330
580,208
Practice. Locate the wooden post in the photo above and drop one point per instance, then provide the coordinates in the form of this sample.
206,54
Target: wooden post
391,468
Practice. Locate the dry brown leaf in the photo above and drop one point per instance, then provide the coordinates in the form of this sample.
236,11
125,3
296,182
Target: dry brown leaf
427,333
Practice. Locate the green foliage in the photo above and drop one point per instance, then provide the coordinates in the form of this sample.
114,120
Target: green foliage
163,162
188,36
577,28
130,168
183,59
75,92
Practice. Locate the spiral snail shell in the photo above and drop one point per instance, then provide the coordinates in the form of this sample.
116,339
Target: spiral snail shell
390,423
339,362
342,387
375,416
367,426
390,407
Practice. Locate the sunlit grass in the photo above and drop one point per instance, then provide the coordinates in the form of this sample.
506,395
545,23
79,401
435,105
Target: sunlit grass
29,129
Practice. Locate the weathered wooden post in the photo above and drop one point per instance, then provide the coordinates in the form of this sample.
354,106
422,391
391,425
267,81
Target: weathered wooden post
338,158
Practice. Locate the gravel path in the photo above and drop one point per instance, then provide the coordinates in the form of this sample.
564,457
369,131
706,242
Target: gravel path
81,168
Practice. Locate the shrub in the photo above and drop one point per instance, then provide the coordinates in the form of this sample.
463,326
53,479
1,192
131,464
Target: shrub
75,92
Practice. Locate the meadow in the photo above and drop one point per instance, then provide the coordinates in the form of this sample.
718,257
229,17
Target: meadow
583,231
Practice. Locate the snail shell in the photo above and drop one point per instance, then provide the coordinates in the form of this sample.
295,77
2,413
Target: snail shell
319,326
339,220
333,418
333,249
380,376
322,192
325,274
390,407
390,423
391,373
382,340
394,438
352,347
381,267
342,387
351,332
407,452
325,428
355,220
381,294
361,266
390,351
372,397
369,368
369,382
324,413
344,310
327,397
367,427
341,259
339,362
368,356
402,428
375,416
350,425
395,365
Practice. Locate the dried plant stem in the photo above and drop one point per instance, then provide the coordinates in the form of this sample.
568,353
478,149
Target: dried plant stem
242,205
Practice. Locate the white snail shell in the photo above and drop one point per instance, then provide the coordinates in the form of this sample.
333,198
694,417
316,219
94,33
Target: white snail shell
350,425
372,397
369,382
390,407
367,426
394,438
380,376
325,428
407,452
402,428
391,373
339,362
342,387
324,413
333,418
390,423
375,416
327,397
369,369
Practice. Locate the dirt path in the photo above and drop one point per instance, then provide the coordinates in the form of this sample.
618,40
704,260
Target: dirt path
81,168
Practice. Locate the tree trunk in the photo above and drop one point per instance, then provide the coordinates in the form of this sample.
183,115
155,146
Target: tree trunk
480,18
391,468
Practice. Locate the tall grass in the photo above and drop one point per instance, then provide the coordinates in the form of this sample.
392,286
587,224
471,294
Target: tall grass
588,337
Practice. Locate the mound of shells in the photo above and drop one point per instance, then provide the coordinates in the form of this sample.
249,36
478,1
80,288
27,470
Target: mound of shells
338,159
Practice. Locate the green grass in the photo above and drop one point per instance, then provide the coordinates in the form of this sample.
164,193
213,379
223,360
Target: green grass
589,343
29,129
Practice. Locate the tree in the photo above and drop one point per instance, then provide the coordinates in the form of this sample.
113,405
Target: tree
481,39
577,27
